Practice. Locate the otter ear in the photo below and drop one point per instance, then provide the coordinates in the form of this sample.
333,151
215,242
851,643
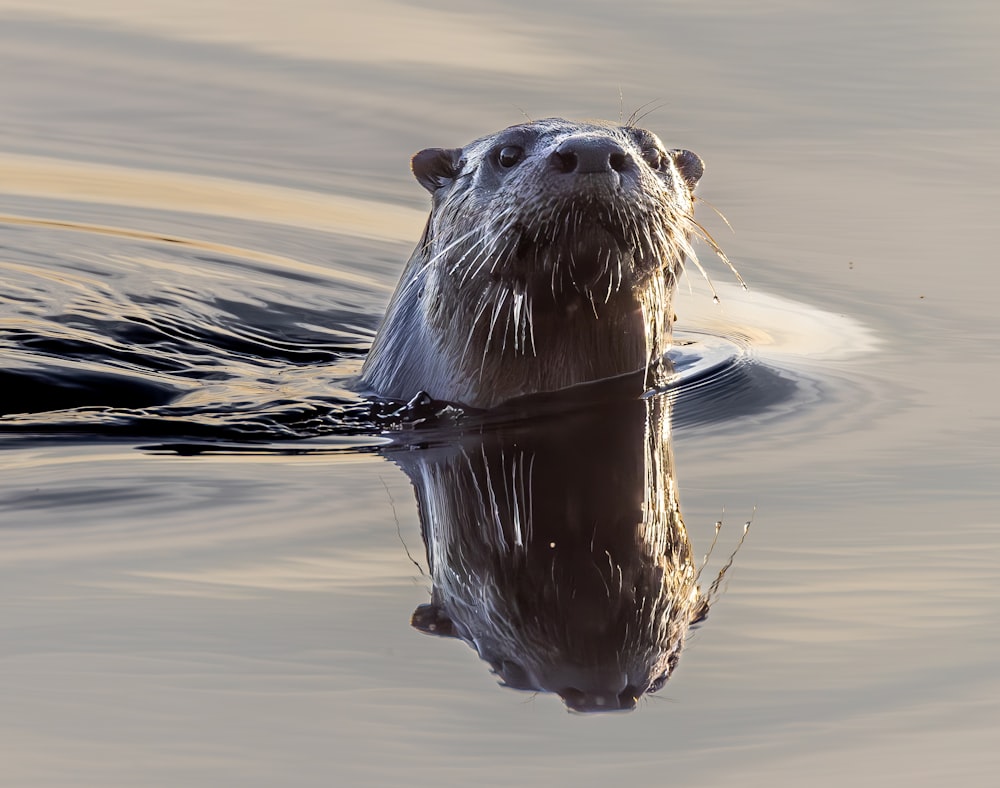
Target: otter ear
435,167
690,165
432,620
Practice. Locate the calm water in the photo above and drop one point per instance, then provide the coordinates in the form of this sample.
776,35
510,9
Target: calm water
210,552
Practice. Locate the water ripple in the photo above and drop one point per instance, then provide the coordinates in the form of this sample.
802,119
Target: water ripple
112,331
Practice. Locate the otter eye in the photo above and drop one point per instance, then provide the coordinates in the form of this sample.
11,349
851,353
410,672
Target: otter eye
653,157
510,155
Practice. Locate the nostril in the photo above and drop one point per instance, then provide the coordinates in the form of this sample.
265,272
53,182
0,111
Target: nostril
590,154
565,161
580,700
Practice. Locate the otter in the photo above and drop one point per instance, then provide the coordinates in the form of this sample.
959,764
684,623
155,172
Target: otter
557,549
549,259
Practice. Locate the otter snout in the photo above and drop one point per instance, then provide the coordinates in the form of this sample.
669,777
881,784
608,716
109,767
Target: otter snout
585,154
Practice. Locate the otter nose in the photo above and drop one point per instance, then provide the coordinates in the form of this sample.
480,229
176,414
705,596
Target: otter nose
578,700
590,154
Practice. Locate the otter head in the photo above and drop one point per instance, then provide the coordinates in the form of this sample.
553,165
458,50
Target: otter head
578,210
549,259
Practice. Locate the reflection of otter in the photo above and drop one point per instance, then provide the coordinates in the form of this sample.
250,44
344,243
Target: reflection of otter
557,550
549,259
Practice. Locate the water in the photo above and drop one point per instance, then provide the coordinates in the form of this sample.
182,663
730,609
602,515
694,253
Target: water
210,547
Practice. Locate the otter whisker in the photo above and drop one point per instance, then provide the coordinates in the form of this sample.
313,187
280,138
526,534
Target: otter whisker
480,310
487,247
590,297
715,210
509,326
707,238
713,589
531,327
498,305
517,307
578,260
694,259
606,271
654,105
555,269
417,277
499,256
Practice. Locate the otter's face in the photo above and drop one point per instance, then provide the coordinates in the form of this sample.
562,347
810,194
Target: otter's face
569,209
549,259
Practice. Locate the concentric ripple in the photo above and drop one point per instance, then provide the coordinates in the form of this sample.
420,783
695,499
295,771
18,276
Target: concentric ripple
113,331
755,354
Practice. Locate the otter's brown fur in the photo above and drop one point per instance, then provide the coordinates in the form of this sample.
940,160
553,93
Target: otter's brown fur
549,259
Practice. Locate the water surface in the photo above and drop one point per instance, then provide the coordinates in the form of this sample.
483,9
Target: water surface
210,560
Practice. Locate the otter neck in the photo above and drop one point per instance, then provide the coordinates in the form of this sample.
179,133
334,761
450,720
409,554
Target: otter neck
523,341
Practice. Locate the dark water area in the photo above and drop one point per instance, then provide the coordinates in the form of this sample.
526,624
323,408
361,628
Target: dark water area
221,564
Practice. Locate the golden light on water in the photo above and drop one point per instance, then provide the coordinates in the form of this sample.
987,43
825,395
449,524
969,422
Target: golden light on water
381,31
34,176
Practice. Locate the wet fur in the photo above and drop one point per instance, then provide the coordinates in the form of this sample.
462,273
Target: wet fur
526,280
